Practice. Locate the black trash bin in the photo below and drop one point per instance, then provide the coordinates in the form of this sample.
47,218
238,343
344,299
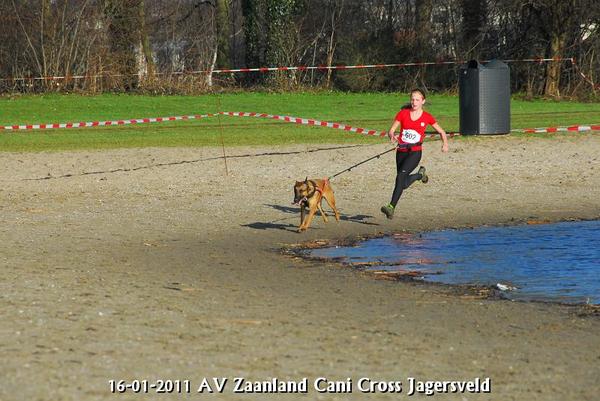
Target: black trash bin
484,98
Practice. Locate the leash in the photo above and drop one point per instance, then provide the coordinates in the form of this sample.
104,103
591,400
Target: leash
362,162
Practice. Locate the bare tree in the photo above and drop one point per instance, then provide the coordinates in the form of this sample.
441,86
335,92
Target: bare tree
146,61
556,18
121,44
51,34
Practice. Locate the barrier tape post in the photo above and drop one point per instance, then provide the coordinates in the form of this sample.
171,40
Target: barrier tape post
222,139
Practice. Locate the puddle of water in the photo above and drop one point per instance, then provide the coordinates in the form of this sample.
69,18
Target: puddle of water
549,262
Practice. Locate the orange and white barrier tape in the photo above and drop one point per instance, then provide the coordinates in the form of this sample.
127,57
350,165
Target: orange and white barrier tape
289,119
366,66
89,124
293,68
571,128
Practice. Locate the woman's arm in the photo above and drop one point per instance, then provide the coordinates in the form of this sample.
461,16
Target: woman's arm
442,133
393,129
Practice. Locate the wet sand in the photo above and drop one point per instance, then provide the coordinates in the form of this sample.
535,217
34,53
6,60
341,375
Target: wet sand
153,264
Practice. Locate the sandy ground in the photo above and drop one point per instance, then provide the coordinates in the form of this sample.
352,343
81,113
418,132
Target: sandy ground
153,264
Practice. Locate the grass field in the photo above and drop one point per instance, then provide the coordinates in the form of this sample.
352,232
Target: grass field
368,110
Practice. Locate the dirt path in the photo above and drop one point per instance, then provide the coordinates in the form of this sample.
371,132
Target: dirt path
152,264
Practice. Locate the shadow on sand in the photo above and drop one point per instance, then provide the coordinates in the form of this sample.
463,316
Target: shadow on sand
275,224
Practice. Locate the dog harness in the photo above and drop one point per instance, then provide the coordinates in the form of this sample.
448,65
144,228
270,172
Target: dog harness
317,189
320,190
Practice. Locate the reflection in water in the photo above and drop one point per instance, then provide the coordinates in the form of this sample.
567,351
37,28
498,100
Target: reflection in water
551,262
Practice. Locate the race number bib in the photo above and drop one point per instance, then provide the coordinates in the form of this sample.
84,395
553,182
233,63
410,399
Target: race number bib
410,136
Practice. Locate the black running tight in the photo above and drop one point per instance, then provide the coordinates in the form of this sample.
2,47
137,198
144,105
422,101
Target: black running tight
405,163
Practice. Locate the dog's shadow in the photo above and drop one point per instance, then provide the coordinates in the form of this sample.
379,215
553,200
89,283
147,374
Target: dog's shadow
275,224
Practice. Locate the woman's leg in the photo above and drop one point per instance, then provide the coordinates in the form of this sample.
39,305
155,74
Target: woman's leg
411,163
405,163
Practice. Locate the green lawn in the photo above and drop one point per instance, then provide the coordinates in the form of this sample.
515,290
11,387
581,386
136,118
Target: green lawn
369,110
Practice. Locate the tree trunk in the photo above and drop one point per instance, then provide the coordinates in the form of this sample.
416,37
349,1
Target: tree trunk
557,18
330,49
237,34
45,18
220,39
253,35
223,34
557,45
209,76
123,34
146,67
474,15
423,10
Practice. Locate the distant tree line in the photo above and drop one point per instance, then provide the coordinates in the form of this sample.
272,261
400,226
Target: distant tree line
171,46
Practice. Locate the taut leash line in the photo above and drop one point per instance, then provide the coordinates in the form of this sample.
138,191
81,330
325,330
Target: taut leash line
362,162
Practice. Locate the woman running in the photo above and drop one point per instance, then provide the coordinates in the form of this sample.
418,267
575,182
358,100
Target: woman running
412,121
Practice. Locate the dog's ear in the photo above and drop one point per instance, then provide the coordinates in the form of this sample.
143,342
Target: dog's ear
306,180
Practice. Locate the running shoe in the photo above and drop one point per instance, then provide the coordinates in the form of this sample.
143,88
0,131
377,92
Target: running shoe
424,177
388,210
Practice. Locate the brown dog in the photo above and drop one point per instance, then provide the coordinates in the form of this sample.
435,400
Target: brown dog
310,193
